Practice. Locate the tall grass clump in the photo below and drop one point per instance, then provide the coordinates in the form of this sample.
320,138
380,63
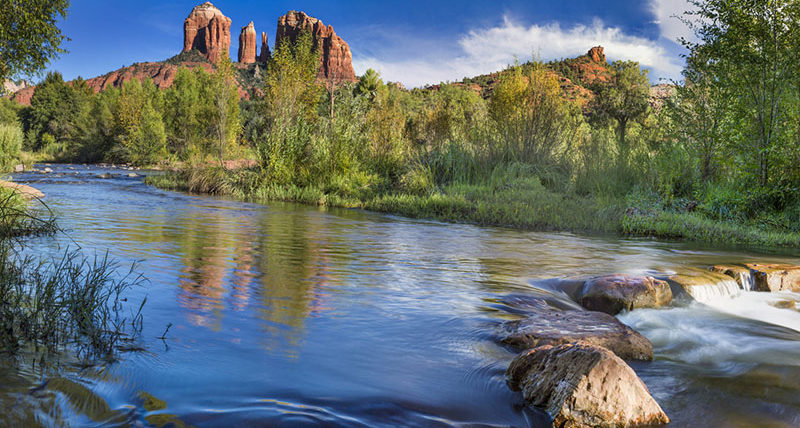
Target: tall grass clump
69,304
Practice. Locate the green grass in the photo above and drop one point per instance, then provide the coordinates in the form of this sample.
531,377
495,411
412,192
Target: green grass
506,201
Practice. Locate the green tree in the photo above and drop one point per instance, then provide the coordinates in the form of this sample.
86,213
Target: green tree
59,110
624,100
29,36
369,84
141,128
291,94
751,47
182,110
226,118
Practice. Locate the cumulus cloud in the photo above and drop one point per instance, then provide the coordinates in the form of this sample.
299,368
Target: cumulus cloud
490,49
667,15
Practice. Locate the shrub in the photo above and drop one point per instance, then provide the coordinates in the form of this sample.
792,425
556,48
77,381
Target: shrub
10,144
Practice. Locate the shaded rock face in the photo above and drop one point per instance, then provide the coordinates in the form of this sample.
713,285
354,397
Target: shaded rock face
208,31
335,56
775,277
545,326
265,53
616,293
247,44
581,385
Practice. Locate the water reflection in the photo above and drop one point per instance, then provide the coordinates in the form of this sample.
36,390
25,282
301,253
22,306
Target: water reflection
287,314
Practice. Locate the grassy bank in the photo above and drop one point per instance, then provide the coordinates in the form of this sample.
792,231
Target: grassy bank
520,202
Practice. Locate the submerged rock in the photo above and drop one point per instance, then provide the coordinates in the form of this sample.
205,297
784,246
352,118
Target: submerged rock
581,385
775,277
556,327
104,176
616,293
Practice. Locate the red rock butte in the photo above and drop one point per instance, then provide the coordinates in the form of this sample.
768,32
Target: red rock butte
336,59
247,44
207,31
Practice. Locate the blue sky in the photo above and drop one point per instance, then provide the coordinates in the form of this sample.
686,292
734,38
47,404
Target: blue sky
413,41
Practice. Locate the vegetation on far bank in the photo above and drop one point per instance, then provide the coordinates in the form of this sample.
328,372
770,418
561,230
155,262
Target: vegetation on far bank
715,162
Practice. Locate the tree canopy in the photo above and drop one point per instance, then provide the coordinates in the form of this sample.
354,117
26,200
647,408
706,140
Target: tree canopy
29,35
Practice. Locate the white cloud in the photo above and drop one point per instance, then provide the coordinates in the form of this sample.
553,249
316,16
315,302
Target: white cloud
667,15
491,49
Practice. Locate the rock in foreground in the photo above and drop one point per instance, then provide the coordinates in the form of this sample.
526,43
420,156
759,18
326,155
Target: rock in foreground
581,385
555,327
616,293
27,192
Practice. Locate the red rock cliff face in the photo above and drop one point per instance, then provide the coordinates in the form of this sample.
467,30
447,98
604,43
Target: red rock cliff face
265,54
247,44
208,31
336,58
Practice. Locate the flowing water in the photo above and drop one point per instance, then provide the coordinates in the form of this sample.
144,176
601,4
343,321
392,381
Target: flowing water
287,315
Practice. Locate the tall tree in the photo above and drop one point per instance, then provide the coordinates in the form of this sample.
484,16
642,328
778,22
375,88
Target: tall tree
752,45
227,122
624,99
29,35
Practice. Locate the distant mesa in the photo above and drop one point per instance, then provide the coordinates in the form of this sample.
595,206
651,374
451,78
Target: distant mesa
207,31
336,59
247,44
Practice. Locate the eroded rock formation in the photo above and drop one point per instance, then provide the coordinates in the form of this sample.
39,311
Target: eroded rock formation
265,53
247,44
336,58
208,31
581,385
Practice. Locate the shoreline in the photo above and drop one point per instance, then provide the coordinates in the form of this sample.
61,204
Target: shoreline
514,207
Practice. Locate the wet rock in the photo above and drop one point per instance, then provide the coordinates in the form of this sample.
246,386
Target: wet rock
546,326
105,176
616,293
775,277
581,385
47,170
785,304
27,192
702,285
19,168
133,175
741,274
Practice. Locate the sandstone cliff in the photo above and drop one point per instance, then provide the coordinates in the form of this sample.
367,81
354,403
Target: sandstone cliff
208,31
336,58
265,53
247,44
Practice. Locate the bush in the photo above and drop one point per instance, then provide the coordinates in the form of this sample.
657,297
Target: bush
10,145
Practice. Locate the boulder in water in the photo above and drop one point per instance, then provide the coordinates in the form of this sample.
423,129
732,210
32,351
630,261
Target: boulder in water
616,293
545,326
581,385
19,168
741,274
27,192
105,175
703,285
775,277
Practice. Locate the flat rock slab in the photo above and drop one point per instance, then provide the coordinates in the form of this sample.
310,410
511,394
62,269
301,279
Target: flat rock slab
616,293
775,277
27,192
741,274
703,285
555,327
581,385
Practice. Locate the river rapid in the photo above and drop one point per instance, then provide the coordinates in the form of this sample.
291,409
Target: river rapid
287,315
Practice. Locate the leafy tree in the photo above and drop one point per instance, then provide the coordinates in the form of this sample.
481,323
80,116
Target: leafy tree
291,94
59,110
624,100
751,48
182,110
141,128
369,84
29,36
226,119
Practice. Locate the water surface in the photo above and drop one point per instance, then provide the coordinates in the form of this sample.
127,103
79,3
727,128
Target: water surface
293,315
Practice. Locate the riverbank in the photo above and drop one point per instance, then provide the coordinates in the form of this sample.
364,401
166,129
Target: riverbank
519,202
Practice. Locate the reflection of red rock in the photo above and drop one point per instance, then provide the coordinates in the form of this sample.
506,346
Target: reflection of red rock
208,31
336,58
247,44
